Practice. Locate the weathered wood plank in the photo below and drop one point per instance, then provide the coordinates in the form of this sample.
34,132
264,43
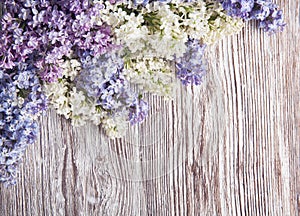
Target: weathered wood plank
230,147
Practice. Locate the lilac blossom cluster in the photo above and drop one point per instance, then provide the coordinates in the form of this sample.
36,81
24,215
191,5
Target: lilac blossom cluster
267,13
49,31
191,67
102,79
138,110
21,102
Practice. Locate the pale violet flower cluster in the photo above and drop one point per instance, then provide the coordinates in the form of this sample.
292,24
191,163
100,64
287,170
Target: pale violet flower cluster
191,68
21,103
268,15
49,31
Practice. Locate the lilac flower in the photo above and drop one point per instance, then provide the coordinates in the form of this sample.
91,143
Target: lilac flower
261,10
273,23
50,73
191,67
138,111
238,8
267,13
18,128
271,19
102,80
49,31
28,83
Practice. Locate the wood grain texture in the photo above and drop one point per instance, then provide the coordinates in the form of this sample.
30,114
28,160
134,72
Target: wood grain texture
229,147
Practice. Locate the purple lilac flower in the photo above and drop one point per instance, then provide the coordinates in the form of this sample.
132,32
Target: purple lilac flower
271,19
18,129
267,13
261,10
29,86
238,8
49,31
138,111
191,67
102,79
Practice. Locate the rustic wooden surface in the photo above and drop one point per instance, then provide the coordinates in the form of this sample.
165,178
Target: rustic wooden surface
230,147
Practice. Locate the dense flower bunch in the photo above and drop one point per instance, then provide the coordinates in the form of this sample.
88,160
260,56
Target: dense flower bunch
93,60
264,11
21,102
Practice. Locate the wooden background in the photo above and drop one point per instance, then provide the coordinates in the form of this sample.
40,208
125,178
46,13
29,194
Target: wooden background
229,147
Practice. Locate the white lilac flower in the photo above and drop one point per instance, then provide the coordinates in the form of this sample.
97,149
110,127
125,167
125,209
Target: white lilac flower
82,110
116,126
71,68
159,29
151,75
57,93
